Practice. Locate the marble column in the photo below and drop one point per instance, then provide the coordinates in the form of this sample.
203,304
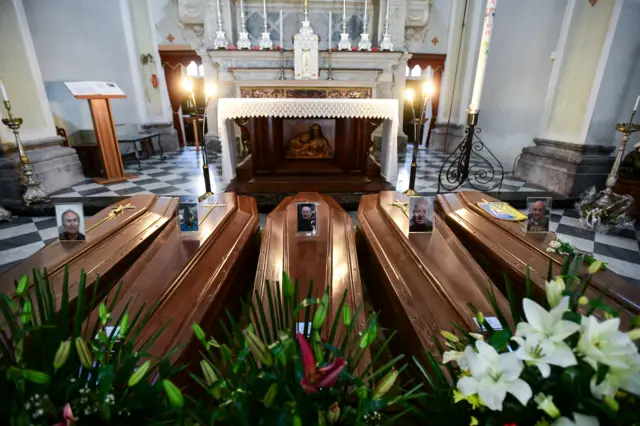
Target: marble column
563,159
54,166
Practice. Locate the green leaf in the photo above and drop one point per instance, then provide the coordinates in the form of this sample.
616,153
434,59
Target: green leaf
138,374
287,285
37,377
602,371
22,285
173,393
572,316
499,340
346,315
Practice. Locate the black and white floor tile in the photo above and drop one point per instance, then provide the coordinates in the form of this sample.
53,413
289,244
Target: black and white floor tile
181,174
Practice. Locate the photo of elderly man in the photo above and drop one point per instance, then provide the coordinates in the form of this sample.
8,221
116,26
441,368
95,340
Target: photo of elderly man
539,214
419,208
71,224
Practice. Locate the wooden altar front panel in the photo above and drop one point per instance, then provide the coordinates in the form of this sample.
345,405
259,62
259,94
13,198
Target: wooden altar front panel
193,277
111,247
503,246
421,283
328,258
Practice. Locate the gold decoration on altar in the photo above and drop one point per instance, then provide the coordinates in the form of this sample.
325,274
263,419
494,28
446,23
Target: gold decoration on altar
402,206
311,144
115,212
211,207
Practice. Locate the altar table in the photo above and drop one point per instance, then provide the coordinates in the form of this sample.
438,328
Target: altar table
385,109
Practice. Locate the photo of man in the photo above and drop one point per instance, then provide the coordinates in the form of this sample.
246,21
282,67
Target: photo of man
420,213
539,214
306,218
70,220
188,216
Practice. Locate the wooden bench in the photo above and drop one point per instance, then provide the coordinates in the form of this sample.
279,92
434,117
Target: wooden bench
503,246
422,283
112,246
193,277
329,258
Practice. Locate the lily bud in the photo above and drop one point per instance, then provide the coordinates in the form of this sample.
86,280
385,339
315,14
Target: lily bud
173,393
334,413
287,285
124,323
83,353
22,285
321,420
37,377
595,267
296,420
545,403
321,313
385,384
270,397
634,334
199,332
139,374
480,318
449,336
62,354
554,290
258,348
210,377
583,300
612,403
346,315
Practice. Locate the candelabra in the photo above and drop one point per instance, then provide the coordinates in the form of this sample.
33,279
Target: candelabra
265,41
33,193
467,164
330,72
386,43
344,43
282,76
364,43
221,38
626,129
427,91
243,35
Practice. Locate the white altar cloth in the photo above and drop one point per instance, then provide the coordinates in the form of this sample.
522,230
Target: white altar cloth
386,109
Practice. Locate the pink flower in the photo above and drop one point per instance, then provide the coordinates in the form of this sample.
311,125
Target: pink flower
375,49
232,47
354,49
278,48
67,415
334,49
255,48
316,378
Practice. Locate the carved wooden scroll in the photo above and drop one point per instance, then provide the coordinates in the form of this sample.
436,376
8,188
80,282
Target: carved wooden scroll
504,247
421,283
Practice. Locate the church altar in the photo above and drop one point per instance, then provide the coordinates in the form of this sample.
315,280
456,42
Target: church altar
383,109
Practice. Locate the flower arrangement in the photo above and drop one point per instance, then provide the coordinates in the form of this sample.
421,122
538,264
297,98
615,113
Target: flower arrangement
566,249
279,371
604,211
559,365
58,369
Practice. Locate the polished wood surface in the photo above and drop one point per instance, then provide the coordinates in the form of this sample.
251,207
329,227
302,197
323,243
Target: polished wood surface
505,246
421,283
111,248
193,277
328,258
105,130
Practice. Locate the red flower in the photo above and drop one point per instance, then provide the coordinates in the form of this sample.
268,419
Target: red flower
255,48
334,49
375,49
67,415
354,49
316,378
277,47
232,47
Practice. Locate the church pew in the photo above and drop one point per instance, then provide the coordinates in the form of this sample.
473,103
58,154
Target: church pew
193,277
504,246
329,259
421,283
112,245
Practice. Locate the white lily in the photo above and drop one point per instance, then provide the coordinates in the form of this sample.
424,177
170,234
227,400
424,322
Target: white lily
551,250
545,403
603,342
555,244
544,352
457,356
554,291
546,325
493,375
578,420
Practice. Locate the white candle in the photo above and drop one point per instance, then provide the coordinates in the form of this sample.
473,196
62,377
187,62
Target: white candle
635,107
388,4
344,8
487,30
242,8
264,11
281,31
5,97
365,10
330,27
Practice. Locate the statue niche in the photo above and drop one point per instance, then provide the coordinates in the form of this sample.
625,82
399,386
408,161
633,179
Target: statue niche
310,144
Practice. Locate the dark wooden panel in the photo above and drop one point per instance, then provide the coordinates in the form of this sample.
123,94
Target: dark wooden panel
506,247
329,258
423,282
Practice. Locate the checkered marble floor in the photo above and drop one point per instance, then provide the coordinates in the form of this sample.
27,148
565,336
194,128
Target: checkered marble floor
181,174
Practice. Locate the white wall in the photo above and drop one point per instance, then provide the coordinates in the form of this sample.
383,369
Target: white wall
165,16
525,34
438,27
81,40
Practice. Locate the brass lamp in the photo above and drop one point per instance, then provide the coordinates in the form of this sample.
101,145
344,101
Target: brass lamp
427,91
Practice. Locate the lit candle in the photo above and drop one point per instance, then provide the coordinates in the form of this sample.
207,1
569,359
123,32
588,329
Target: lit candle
281,31
482,55
5,98
330,27
635,107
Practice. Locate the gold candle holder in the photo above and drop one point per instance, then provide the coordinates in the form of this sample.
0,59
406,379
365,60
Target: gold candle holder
33,193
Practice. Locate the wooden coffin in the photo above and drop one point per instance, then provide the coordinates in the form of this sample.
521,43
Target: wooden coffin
503,246
114,242
421,283
328,258
193,277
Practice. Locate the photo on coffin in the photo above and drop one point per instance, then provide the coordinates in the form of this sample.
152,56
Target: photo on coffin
538,214
188,216
70,221
306,219
420,214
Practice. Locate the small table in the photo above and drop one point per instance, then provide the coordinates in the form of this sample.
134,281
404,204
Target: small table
146,140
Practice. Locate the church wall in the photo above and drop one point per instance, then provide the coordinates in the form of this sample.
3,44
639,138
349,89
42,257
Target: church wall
620,84
77,41
165,16
436,36
519,65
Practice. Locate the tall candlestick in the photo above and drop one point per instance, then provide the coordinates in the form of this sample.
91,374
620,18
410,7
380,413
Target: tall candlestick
487,30
243,35
330,28
281,31
366,2
265,41
635,107
306,10
344,43
5,97
264,10
386,43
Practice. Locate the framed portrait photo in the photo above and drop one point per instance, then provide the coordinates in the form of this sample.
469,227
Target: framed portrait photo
420,214
188,216
70,221
538,214
306,219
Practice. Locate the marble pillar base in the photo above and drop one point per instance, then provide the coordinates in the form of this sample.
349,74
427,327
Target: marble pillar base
446,137
169,135
565,168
